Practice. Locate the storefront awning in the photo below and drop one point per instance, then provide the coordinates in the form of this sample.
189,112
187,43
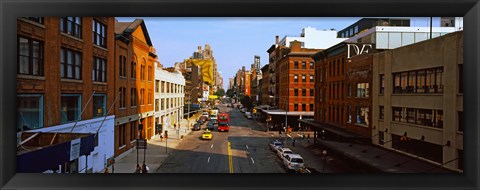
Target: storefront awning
290,113
45,151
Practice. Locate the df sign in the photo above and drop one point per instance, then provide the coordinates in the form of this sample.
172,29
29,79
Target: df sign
357,49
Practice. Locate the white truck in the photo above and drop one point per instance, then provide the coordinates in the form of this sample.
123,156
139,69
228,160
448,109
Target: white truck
214,114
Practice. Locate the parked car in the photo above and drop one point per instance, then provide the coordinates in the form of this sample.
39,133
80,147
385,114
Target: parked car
210,125
293,162
282,152
275,144
248,115
196,126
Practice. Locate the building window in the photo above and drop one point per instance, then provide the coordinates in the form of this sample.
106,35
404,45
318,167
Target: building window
460,121
349,114
349,90
295,65
123,66
460,78
304,65
157,106
142,95
99,69
133,75
162,87
382,112
150,98
311,78
304,107
123,96
71,26
99,33
396,114
99,105
133,130
295,107
30,57
29,111
362,115
295,78
39,20
150,75
311,107
381,138
121,135
133,97
295,92
311,65
70,64
382,84
362,90
410,115
311,92
142,70
426,81
304,78
304,92
421,77
157,86
70,108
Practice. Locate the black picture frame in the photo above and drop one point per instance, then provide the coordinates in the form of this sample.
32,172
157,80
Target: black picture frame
10,10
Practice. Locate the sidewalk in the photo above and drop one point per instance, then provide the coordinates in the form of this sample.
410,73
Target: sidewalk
157,151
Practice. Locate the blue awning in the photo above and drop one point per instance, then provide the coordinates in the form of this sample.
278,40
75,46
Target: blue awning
38,155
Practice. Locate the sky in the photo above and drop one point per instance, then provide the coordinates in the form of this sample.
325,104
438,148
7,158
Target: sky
234,41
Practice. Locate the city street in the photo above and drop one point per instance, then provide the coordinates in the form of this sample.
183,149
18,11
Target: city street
249,150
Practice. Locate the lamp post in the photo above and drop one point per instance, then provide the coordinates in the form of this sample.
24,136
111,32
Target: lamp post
188,112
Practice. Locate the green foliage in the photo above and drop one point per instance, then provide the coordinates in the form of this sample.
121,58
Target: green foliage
247,102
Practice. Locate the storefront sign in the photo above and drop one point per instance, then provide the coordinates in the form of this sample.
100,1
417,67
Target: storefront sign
74,149
357,50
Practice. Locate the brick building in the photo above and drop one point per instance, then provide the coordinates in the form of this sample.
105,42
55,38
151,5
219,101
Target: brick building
65,75
134,81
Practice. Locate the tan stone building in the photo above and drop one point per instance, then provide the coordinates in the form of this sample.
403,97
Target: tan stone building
418,100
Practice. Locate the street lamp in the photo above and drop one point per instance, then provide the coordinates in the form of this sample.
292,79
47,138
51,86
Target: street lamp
188,112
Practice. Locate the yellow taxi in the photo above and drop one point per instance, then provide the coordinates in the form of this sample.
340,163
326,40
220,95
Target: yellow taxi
207,135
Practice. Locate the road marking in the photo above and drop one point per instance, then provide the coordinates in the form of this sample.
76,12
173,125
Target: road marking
252,160
208,161
230,162
211,146
246,146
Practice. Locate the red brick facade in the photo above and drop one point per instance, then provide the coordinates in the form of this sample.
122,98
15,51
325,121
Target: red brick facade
50,84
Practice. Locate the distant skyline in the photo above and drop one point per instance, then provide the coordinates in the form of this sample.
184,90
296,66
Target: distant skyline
234,40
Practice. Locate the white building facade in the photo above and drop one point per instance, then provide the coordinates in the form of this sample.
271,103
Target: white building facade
169,99
312,38
97,160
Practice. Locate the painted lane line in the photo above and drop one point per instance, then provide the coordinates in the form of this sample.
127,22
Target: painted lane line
208,161
246,146
252,160
211,146
230,162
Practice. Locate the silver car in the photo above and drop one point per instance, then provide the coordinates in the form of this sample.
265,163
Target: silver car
293,162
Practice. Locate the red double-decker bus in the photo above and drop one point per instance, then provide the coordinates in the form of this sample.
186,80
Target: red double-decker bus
223,122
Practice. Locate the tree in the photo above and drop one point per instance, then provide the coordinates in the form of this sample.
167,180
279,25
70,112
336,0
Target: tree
220,92
230,93
247,102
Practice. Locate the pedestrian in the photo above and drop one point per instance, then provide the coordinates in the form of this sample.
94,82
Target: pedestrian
293,142
106,170
138,169
161,137
144,168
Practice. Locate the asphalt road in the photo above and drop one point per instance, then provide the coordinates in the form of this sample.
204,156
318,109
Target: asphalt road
243,149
